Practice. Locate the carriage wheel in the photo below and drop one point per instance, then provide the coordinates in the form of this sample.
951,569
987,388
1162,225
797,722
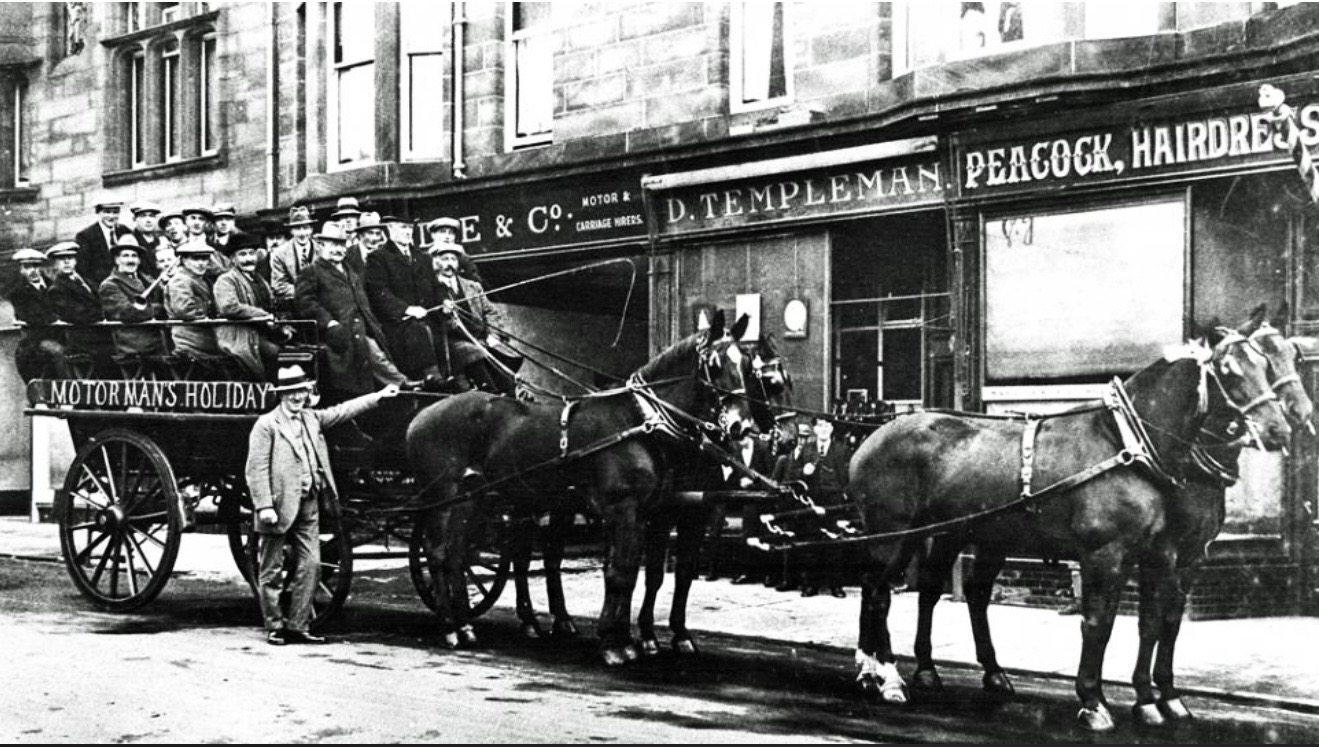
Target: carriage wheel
119,520
236,515
336,569
486,570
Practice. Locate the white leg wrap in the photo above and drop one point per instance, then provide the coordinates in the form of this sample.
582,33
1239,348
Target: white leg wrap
892,688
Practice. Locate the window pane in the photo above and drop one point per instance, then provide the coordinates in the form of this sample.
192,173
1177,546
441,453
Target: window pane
763,63
426,105
137,107
169,91
22,158
210,114
355,31
357,139
535,85
531,16
858,363
1083,293
425,25
902,364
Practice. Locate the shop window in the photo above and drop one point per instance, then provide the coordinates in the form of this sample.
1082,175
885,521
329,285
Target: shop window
529,75
1080,296
165,84
352,84
760,56
424,28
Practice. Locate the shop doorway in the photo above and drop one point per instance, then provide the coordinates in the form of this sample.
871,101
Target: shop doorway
890,314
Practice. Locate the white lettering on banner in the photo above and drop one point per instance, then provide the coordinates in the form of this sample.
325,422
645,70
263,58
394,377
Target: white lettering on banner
1152,146
158,395
894,183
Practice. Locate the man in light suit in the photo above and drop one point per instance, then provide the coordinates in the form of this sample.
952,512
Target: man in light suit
289,476
288,259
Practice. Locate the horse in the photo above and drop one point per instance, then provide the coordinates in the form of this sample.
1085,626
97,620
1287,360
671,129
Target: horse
615,446
1194,517
767,383
966,479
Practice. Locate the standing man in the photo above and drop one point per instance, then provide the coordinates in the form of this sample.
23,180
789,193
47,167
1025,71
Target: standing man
146,230
95,241
40,353
463,305
291,257
242,294
824,468
75,301
124,299
332,294
399,283
288,473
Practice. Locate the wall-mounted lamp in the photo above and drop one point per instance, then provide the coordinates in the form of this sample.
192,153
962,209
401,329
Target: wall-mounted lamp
796,318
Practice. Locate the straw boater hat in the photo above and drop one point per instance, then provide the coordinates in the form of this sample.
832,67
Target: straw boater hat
27,256
291,378
139,208
299,215
63,249
347,206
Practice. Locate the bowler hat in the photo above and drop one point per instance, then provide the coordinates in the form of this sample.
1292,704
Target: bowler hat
290,378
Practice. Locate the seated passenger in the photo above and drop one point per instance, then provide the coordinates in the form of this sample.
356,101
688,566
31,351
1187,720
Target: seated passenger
188,298
241,293
40,351
466,311
129,297
74,301
398,284
332,294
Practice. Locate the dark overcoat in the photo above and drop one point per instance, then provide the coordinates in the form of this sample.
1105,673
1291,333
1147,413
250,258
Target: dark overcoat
327,293
395,281
117,294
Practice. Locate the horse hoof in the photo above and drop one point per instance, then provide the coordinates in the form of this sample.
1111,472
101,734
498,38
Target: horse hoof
893,693
998,684
564,626
1148,715
685,647
450,640
1096,719
868,685
467,636
649,647
630,653
927,680
613,657
1174,709
530,630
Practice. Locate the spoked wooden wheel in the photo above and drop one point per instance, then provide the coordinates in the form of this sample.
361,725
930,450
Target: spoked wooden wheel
119,519
486,569
236,516
336,574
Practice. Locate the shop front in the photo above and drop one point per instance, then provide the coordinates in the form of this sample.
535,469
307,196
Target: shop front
838,256
1082,252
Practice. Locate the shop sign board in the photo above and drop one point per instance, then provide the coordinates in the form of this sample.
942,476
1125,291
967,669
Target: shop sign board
848,189
1131,151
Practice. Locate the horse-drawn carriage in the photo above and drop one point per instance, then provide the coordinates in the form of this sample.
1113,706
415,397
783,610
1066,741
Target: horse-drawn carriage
159,457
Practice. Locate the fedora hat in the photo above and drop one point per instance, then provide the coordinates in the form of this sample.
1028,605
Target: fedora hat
369,221
347,206
128,241
291,378
24,256
332,231
63,249
299,215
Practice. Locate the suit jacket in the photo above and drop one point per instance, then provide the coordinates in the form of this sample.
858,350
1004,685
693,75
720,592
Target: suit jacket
285,266
830,473
461,350
77,305
326,293
117,293
279,469
393,283
31,305
189,298
149,266
95,262
761,461
240,296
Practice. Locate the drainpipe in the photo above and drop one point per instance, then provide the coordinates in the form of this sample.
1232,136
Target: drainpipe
459,25
272,115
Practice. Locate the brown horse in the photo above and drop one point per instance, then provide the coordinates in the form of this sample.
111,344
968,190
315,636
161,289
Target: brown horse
1194,517
1088,484
616,447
